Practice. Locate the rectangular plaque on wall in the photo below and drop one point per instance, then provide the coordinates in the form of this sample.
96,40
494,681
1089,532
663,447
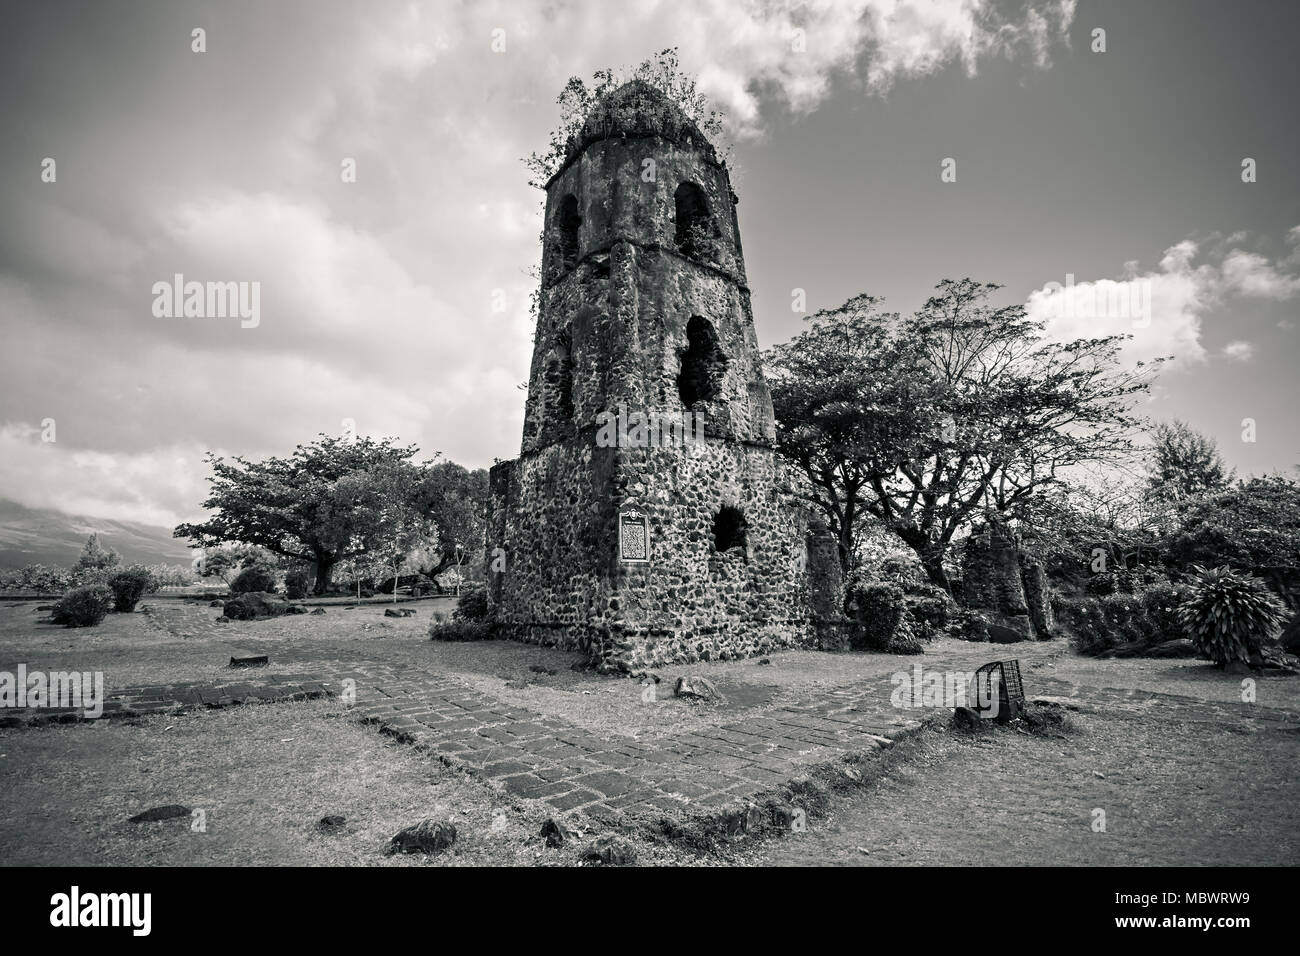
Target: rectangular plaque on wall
633,536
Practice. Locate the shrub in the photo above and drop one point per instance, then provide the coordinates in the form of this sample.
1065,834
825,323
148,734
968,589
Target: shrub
457,630
255,578
880,612
129,586
83,606
930,609
171,575
255,605
40,578
297,583
1230,616
969,625
1160,604
472,606
1124,581
1086,620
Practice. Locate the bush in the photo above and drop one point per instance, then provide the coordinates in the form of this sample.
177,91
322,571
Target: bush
1103,624
1124,581
459,630
930,609
40,578
472,606
84,606
1160,604
129,586
255,605
969,625
880,612
254,579
297,583
1230,616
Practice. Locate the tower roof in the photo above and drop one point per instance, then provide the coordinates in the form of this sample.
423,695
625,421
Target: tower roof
636,110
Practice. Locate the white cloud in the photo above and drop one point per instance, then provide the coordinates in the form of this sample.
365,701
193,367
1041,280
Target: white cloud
157,487
376,296
1162,310
1251,274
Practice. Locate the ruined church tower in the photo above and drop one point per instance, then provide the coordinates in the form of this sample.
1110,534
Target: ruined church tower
649,545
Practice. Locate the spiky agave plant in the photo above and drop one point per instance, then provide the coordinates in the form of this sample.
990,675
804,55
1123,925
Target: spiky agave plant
1229,616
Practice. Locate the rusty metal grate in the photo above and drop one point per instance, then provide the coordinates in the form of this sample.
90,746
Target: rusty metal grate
1011,691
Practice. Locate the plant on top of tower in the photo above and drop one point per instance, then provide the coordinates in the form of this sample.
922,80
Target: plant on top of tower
656,96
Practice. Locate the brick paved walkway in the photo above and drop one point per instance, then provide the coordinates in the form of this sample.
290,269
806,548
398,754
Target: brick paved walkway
533,756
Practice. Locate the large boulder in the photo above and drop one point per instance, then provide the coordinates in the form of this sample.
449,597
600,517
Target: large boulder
254,606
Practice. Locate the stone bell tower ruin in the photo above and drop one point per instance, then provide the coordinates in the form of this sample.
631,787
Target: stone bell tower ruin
648,518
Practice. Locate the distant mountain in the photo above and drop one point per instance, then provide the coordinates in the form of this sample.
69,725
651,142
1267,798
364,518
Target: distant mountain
32,536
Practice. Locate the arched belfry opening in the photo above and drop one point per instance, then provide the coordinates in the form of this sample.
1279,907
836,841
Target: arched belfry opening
569,223
695,233
703,364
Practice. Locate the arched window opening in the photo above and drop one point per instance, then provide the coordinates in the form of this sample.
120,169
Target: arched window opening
729,529
569,221
695,233
703,364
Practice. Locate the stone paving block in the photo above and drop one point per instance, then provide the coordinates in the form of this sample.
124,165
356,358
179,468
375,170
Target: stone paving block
504,768
610,784
573,799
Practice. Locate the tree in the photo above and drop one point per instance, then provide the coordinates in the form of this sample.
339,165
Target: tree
1083,527
95,562
404,534
228,560
961,409
307,507
1183,463
456,499
1252,526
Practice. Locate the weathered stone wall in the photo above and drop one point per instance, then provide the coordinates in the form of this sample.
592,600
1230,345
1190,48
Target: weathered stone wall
564,584
618,317
635,317
1005,585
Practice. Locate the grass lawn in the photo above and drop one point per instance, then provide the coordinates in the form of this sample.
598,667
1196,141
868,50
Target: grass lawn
1175,793
265,775
1182,778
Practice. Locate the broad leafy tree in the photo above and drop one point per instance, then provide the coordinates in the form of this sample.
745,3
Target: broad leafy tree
311,506
964,408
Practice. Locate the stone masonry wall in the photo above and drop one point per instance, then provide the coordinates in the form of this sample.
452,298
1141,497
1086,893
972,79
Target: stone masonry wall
564,585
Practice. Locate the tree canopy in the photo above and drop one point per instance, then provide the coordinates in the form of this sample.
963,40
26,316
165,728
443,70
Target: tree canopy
1183,463
306,507
923,423
346,500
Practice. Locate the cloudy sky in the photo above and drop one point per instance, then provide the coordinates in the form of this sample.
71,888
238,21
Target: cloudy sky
1121,169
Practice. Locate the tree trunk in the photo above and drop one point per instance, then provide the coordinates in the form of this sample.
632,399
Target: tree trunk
932,561
931,554
324,570
845,544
